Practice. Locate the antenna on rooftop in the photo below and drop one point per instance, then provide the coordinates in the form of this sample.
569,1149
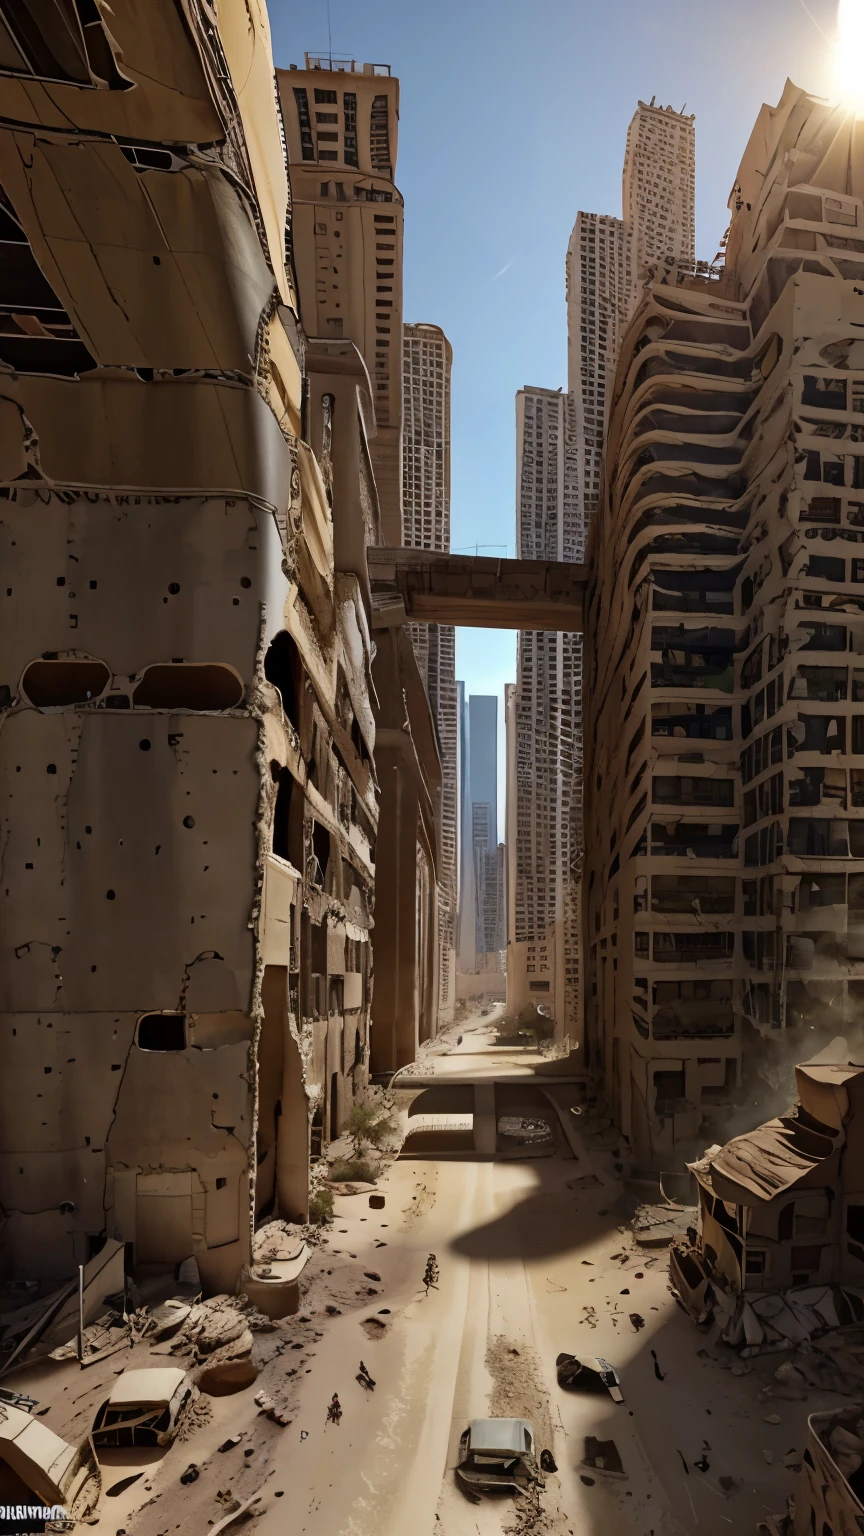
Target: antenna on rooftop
329,31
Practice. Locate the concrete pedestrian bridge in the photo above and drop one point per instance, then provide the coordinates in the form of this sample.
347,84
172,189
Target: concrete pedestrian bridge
473,591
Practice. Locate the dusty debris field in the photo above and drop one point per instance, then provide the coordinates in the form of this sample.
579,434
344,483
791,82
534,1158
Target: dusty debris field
706,1442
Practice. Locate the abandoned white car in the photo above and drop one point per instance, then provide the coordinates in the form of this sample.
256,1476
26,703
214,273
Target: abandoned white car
145,1408
497,1455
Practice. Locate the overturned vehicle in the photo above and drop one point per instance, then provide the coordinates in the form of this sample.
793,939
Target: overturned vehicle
497,1456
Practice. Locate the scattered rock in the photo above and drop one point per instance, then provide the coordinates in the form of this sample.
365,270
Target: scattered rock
637,1320
191,1475
369,1274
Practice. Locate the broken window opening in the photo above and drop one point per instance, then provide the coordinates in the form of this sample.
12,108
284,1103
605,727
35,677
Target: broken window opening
57,684
282,668
282,839
192,685
162,1032
670,1092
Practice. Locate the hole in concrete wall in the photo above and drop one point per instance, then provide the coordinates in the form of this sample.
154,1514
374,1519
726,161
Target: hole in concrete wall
321,849
282,815
162,1032
282,668
52,684
188,686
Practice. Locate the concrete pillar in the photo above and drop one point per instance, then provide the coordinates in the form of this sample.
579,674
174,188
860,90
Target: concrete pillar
485,1122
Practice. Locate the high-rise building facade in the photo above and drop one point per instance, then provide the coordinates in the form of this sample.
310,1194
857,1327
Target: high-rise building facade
560,440
341,125
543,937
725,795
597,282
606,258
659,190
426,364
481,913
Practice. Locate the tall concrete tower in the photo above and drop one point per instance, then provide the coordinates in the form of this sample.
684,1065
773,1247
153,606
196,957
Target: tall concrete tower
543,940
341,125
659,190
426,363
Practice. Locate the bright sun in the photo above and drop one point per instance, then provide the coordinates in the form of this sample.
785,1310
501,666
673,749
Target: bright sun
849,55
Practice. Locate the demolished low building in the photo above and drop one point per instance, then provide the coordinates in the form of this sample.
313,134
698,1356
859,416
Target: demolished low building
781,1210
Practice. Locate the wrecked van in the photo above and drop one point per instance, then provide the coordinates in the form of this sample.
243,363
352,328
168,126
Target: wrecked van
497,1455
145,1408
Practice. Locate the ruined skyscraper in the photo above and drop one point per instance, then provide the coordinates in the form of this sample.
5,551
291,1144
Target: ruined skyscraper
341,124
427,360
725,869
189,810
543,942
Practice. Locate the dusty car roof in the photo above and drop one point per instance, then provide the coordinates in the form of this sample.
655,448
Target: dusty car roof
499,1435
147,1386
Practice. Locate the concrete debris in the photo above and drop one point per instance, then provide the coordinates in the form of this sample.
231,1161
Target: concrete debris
603,1456
657,1225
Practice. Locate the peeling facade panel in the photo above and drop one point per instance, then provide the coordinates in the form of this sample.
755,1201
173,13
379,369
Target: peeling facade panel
724,858
188,805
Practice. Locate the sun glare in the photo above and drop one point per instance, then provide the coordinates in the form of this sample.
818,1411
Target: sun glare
849,55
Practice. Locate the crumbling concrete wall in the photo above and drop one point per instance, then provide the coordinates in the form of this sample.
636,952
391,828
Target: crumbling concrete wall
186,735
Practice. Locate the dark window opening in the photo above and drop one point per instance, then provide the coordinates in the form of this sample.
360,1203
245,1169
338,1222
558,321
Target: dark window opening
669,1089
301,99
855,1222
321,849
786,1223
334,1105
281,668
188,686
282,815
754,1263
162,1032
52,684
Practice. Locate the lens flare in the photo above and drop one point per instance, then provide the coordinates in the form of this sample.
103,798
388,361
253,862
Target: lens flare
849,55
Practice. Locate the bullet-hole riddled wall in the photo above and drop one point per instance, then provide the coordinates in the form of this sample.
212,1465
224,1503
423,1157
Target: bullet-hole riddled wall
186,735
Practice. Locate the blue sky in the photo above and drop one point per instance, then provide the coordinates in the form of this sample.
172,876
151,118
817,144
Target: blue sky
514,116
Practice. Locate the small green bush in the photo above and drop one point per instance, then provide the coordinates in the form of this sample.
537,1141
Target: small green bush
372,1122
321,1205
350,1170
